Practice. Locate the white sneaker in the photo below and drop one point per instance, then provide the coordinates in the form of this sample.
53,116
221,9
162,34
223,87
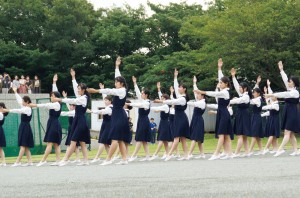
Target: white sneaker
75,161
182,158
41,163
214,157
223,154
235,155
131,159
122,162
95,160
177,156
27,164
164,156
258,153
3,164
153,157
226,157
16,164
83,163
249,154
116,157
168,158
55,164
189,157
295,153
265,151
278,153
144,159
63,163
105,163
273,151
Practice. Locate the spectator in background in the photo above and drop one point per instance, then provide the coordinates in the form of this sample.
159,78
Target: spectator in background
6,83
153,127
16,82
28,84
1,83
22,88
36,85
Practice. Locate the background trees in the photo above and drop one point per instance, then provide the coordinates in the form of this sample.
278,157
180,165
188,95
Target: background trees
44,37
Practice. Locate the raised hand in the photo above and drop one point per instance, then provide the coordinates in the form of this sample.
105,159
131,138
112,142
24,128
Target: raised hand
55,78
134,80
258,80
220,63
268,82
233,72
65,94
118,62
175,73
73,73
280,65
172,89
158,86
101,86
194,80
265,90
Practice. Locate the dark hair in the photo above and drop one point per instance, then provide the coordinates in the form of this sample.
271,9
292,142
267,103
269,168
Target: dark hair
166,96
244,86
4,107
147,92
225,80
258,90
122,80
56,94
187,97
109,98
129,107
84,87
27,99
151,118
295,79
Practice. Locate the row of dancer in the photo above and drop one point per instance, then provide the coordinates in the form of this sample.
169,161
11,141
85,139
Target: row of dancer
119,136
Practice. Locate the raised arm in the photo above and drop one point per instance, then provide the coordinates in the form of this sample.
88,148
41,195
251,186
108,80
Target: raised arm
199,104
18,97
176,85
136,88
158,90
283,74
74,82
121,92
102,87
235,82
195,86
54,87
117,69
258,80
220,73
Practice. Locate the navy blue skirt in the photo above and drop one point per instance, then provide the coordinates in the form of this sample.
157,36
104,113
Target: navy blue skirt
119,130
53,131
223,123
2,137
181,125
272,126
164,132
242,123
104,133
143,130
197,128
291,118
25,136
256,126
80,130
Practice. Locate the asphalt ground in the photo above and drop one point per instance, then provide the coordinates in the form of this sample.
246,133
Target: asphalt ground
259,176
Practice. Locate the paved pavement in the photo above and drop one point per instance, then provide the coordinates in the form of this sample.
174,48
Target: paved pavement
265,176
